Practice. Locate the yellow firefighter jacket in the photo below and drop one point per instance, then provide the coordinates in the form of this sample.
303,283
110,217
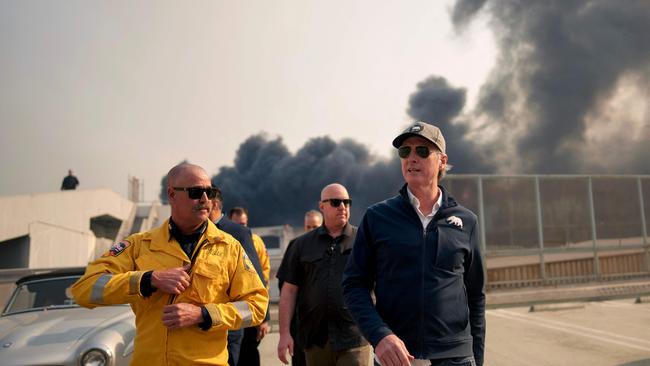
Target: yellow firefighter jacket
263,255
222,279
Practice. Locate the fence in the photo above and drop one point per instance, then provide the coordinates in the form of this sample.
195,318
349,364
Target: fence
547,229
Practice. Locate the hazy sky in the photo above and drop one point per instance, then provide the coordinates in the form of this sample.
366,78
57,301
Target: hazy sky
118,88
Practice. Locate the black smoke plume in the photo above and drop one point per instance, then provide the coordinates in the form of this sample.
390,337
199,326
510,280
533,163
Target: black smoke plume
438,103
559,98
278,187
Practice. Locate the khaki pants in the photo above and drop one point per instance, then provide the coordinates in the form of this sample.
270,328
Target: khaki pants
358,356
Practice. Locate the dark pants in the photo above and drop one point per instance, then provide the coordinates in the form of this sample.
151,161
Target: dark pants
298,358
235,338
458,361
325,356
249,355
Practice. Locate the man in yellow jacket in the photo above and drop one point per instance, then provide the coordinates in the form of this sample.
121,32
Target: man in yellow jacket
186,281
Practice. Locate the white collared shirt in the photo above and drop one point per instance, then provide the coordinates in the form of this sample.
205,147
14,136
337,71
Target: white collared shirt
426,219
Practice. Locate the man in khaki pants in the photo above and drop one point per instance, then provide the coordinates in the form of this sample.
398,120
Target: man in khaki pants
315,264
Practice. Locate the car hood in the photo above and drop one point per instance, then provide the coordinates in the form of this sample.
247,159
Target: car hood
54,331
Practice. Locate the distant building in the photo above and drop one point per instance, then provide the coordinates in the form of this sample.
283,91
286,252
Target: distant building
66,228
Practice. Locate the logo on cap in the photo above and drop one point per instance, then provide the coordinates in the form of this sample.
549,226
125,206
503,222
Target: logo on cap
416,128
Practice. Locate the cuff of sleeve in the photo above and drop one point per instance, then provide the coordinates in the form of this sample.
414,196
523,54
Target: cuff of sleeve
267,318
378,335
214,313
144,280
207,319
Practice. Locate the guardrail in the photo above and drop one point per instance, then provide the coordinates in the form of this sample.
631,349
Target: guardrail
610,267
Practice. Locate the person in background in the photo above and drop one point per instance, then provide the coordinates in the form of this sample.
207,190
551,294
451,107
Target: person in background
69,181
313,219
249,355
185,296
312,282
418,252
244,236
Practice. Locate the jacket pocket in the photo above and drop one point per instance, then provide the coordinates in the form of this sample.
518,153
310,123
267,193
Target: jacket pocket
452,249
447,303
209,281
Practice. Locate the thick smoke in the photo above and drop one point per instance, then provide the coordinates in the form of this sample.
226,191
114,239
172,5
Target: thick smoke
558,98
278,187
569,94
438,103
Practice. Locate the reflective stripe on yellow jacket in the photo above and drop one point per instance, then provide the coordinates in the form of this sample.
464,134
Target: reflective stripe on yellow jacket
263,255
222,278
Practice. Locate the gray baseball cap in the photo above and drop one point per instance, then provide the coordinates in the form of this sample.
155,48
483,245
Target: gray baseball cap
424,130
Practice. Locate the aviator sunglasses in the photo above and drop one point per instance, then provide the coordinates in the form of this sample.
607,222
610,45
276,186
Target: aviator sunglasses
421,151
336,202
195,193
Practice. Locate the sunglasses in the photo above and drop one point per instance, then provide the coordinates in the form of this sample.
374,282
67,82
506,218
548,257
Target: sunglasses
196,193
336,202
421,151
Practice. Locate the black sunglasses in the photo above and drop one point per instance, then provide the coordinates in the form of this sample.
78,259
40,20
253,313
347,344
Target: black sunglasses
195,193
336,202
421,151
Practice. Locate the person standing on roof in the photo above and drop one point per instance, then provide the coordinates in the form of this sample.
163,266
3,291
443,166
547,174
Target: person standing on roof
69,181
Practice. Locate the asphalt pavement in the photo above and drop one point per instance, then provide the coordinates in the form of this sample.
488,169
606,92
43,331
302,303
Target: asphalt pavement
602,324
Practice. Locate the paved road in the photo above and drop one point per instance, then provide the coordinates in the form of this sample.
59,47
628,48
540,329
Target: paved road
607,333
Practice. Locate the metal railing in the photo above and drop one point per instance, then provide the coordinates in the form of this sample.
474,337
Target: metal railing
569,228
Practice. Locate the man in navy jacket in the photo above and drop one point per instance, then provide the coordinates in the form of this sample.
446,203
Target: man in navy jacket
419,253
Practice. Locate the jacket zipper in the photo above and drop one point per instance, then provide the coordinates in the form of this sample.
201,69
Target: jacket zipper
192,260
422,292
423,271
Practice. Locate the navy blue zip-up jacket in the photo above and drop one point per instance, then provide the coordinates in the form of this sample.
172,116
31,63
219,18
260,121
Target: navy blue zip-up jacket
428,283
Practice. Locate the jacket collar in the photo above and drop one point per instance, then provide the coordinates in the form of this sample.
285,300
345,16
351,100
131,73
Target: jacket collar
162,239
447,200
347,230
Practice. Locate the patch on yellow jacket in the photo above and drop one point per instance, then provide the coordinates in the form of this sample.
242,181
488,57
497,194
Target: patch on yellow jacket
116,249
248,265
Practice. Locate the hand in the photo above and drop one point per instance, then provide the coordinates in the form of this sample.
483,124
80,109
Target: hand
181,315
391,351
262,330
172,281
285,344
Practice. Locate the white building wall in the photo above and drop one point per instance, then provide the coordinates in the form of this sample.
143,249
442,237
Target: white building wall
58,224
69,209
54,246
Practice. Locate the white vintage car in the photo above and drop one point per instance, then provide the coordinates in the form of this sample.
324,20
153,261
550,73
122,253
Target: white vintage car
42,325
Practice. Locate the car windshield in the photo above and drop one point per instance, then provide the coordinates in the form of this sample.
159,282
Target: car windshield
42,294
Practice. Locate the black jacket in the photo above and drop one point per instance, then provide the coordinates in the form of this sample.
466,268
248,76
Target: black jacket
429,284
315,264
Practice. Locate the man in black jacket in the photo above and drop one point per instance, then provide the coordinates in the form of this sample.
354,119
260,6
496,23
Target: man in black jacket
419,252
245,237
312,275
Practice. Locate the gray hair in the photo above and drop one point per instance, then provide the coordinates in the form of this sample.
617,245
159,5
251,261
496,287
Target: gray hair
314,213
